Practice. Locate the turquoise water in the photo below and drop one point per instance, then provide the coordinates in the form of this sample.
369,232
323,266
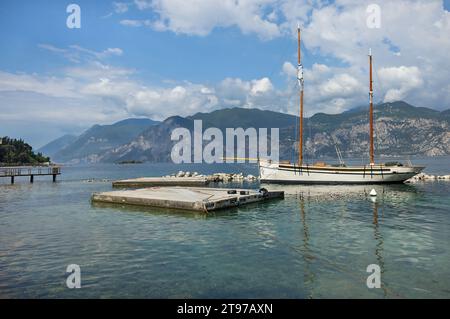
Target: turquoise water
316,243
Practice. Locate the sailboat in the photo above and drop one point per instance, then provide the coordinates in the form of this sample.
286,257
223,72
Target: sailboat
321,173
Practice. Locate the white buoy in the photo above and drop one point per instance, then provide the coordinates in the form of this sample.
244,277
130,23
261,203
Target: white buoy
373,192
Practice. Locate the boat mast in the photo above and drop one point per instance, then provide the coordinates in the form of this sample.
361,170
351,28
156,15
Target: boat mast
372,161
300,82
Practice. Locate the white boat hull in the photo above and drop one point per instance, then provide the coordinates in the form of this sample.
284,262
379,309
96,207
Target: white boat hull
270,172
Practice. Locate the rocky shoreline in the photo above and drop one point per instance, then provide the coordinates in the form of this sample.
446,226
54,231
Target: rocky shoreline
217,177
240,177
426,177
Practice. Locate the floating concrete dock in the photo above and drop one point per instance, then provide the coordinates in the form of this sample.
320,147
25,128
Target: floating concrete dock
187,198
161,181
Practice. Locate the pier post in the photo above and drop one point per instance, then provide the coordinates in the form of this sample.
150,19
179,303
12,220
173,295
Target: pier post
54,178
12,179
31,178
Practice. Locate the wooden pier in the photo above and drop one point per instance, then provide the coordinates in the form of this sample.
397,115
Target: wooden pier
30,171
187,198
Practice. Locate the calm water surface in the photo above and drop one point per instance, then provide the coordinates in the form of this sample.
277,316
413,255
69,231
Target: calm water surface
316,243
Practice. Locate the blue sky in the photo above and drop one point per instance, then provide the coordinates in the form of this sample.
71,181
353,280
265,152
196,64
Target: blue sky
156,58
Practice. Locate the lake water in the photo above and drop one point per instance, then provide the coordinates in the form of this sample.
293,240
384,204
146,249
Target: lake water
316,243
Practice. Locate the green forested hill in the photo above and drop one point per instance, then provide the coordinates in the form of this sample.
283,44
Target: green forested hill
17,152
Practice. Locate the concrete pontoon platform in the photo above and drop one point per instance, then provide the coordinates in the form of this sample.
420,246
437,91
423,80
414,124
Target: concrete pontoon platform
187,198
161,181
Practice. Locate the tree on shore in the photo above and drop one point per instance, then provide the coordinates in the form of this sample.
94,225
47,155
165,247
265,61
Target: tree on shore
17,152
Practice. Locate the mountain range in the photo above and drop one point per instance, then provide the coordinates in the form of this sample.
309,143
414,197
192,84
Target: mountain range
94,141
401,129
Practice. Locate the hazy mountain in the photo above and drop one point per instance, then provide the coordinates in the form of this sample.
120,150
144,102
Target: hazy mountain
56,145
153,144
401,129
101,138
446,114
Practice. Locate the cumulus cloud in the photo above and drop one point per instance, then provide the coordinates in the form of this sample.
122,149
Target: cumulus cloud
95,87
261,87
341,85
289,69
409,49
400,80
198,17
120,7
327,89
413,33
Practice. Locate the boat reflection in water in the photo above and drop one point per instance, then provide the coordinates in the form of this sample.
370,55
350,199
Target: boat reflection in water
317,223
391,192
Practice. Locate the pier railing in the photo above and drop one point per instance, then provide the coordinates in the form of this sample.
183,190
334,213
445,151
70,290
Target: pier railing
31,171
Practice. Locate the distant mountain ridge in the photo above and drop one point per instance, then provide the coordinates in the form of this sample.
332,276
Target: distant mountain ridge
56,145
257,118
96,140
401,129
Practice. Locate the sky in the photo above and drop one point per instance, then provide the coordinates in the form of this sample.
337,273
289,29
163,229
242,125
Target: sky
158,58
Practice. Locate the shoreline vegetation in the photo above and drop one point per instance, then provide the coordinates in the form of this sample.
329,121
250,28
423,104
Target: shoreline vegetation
15,152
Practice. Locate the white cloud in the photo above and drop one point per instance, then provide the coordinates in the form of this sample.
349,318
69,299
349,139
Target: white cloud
71,55
261,86
76,53
95,70
179,100
400,81
120,7
98,55
143,4
254,93
50,86
135,23
327,89
409,49
412,33
113,51
51,48
340,86
289,69
95,87
198,17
